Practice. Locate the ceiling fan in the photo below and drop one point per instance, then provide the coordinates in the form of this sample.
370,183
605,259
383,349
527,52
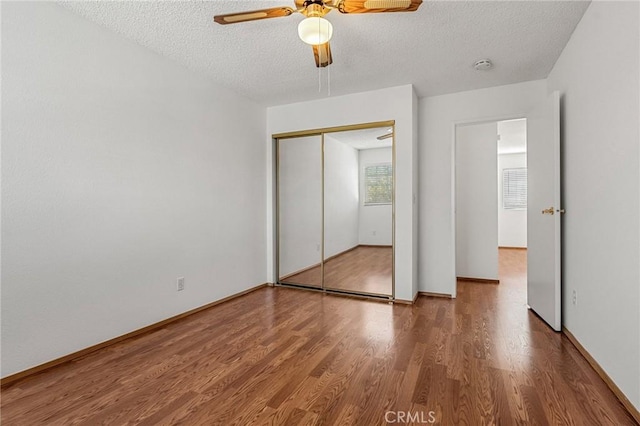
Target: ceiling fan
314,29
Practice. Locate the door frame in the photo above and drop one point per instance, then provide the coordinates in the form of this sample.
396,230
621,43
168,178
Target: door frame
276,205
454,127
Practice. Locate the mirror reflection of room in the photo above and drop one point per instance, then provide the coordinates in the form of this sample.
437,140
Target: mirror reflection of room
300,211
358,211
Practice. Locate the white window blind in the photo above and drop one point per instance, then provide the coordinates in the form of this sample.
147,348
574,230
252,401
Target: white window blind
514,189
378,184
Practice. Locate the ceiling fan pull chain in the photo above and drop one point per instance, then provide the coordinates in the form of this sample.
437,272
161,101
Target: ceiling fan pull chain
319,68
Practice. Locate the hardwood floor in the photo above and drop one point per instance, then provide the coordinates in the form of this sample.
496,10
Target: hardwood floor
283,356
365,269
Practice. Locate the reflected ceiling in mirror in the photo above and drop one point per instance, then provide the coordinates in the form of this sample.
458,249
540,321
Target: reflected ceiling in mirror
365,138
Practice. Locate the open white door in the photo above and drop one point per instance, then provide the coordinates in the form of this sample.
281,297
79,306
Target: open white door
544,211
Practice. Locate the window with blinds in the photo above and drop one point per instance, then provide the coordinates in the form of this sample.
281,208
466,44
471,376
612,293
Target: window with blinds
514,189
378,184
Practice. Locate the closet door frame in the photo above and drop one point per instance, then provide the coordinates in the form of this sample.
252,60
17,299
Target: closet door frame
276,187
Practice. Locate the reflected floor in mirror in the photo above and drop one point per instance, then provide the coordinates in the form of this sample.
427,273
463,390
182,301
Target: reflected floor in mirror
311,277
365,269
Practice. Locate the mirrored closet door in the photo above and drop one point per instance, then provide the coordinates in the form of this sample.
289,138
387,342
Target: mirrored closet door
335,211
300,211
358,211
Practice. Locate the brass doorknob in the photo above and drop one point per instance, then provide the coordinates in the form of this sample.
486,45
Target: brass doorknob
548,211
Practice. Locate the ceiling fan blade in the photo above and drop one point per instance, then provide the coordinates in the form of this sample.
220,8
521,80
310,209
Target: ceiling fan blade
377,6
254,15
322,55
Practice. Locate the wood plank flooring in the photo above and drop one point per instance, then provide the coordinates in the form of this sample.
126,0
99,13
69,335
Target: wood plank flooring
289,357
365,269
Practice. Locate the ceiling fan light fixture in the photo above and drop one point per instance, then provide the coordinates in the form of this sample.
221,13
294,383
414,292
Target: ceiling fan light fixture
315,30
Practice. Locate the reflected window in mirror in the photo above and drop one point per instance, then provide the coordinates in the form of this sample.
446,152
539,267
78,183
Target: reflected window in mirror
378,184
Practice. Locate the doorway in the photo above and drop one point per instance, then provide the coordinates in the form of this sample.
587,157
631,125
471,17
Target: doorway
491,199
512,200
335,195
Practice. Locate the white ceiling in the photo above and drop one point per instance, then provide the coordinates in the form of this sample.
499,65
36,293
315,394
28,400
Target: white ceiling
433,48
365,138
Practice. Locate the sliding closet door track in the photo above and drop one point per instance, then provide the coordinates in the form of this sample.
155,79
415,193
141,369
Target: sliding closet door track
353,294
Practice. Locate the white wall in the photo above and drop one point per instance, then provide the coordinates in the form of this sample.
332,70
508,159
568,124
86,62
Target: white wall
300,192
512,224
376,221
438,114
601,233
120,171
341,196
396,103
476,195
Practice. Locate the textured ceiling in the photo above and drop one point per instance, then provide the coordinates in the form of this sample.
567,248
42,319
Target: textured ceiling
433,48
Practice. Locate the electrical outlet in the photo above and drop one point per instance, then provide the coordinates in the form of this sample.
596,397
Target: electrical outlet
574,297
180,283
